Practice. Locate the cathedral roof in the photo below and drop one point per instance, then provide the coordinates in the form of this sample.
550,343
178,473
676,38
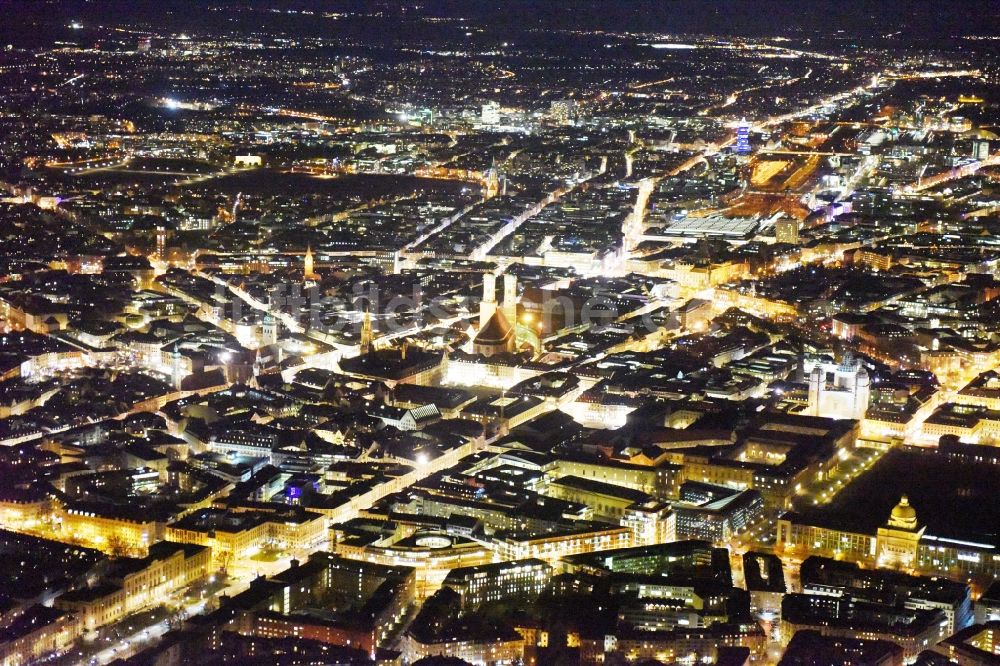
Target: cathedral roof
496,331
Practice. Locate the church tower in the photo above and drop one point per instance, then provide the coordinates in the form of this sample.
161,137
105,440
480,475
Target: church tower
258,364
817,385
862,392
269,330
488,305
366,331
510,298
175,367
307,270
492,181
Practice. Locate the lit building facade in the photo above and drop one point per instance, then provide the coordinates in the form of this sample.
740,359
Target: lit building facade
901,542
521,579
839,391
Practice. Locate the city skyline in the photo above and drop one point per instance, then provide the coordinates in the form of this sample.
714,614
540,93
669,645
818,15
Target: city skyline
499,333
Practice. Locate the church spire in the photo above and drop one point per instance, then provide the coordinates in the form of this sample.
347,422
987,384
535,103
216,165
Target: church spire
366,330
307,269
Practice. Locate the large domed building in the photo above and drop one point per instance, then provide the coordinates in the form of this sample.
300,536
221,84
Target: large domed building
898,540
903,515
